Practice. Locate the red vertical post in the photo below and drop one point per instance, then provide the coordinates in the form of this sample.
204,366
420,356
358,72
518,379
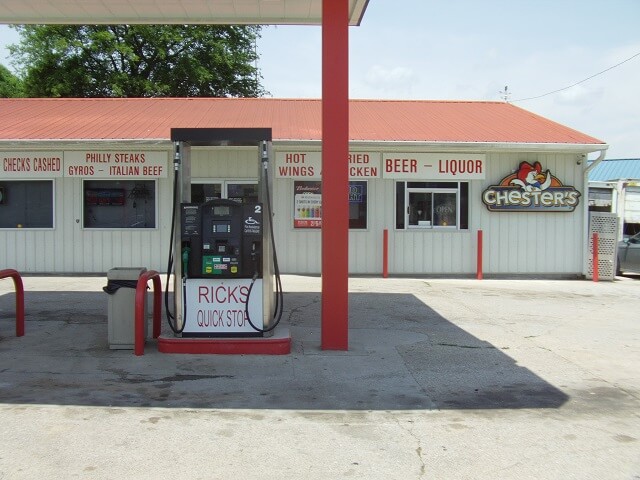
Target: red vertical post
139,319
335,175
19,287
479,260
17,280
596,272
157,306
385,253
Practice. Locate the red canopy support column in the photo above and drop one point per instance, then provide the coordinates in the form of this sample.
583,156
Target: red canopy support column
335,175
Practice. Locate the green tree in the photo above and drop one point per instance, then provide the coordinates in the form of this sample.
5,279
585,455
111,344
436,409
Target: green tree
10,85
138,60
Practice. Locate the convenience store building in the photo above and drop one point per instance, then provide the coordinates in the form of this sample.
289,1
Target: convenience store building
86,184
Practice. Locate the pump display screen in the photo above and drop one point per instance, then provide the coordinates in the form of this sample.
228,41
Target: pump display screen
221,210
221,227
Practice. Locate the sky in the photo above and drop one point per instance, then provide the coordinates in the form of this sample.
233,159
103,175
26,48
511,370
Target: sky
471,50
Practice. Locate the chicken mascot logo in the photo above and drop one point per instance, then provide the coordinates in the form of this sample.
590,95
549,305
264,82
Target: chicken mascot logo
531,189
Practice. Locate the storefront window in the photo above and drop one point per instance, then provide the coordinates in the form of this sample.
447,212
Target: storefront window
307,204
205,192
26,204
241,192
119,204
600,199
431,205
358,205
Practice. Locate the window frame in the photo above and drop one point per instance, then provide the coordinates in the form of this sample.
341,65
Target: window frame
318,227
432,192
156,213
53,203
431,188
224,184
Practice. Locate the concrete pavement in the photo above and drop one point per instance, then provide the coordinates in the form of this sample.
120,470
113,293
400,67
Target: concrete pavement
444,379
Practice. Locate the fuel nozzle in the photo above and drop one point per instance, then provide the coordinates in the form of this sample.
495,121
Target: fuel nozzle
186,250
265,156
177,156
255,255
255,258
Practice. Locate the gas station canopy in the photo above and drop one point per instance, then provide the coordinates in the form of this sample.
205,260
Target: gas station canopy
273,12
335,16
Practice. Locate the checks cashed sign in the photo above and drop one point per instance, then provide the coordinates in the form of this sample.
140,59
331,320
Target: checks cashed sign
101,164
45,164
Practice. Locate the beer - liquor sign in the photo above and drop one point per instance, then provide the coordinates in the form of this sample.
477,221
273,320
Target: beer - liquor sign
531,190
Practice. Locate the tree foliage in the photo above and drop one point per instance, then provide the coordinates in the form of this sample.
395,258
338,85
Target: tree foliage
138,60
10,85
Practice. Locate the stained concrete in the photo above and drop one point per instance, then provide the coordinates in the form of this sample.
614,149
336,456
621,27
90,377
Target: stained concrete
444,378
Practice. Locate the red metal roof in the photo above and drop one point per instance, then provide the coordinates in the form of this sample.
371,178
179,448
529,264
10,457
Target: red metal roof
370,120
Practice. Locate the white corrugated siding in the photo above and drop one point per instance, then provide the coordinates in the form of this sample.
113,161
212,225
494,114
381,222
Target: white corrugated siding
514,243
527,243
225,163
70,248
530,242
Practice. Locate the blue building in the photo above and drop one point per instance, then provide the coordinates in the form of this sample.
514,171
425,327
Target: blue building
614,186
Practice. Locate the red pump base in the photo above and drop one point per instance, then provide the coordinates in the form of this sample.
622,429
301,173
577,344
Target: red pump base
278,344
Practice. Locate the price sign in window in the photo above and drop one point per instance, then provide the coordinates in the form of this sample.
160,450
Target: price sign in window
307,204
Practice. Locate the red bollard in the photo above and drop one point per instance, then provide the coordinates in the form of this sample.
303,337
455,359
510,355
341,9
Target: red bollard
17,282
596,273
385,253
141,291
479,260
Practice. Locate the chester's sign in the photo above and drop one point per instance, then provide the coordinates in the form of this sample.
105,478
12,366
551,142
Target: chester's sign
531,190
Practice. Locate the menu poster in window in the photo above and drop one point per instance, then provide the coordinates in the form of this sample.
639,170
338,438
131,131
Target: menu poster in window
307,205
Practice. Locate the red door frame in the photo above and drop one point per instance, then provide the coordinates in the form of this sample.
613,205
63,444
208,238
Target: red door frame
335,175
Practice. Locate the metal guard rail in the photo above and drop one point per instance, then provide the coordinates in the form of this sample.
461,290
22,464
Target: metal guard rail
141,291
17,282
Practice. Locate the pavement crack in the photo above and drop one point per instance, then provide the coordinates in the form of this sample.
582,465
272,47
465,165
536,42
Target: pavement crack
419,451
442,344
299,308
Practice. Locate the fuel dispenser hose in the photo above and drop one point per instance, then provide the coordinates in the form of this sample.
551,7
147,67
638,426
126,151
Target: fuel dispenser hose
170,317
279,307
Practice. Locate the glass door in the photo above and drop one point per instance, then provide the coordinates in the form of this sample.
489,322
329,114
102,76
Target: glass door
204,192
240,191
420,209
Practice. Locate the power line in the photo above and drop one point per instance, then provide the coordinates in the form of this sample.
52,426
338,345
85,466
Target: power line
581,81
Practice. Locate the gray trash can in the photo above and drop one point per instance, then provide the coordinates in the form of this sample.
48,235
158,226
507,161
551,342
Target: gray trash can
121,287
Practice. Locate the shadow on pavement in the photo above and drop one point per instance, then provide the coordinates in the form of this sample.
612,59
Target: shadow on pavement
403,355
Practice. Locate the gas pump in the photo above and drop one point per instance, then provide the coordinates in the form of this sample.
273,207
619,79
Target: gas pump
221,239
227,283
